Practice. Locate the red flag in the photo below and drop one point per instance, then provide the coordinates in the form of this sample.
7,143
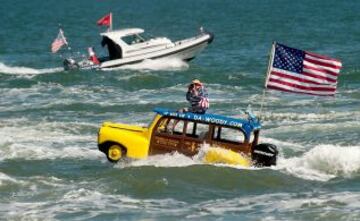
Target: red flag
92,56
106,20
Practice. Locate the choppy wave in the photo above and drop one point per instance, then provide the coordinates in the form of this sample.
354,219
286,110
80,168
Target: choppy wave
92,201
308,117
164,160
324,162
26,70
46,140
175,159
284,205
5,178
284,144
85,203
36,152
25,139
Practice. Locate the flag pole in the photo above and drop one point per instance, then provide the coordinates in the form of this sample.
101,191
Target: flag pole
271,60
111,21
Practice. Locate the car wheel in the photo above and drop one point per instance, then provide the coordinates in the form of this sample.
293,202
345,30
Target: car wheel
115,153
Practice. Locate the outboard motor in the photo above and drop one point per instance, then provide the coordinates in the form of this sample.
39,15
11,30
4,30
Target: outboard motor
70,64
264,155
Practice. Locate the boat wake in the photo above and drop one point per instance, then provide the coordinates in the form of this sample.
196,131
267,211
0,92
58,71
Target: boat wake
163,64
324,162
35,141
175,160
320,163
164,160
26,70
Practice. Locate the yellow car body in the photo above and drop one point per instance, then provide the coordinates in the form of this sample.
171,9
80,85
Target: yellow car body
231,140
135,139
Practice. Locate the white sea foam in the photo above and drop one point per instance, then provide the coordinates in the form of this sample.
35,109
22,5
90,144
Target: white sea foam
34,183
37,152
128,76
321,163
52,140
164,160
47,181
5,179
283,204
23,130
324,162
155,65
291,117
86,203
49,95
46,140
283,144
175,159
26,70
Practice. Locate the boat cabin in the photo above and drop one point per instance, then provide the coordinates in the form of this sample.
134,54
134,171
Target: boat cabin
186,132
129,42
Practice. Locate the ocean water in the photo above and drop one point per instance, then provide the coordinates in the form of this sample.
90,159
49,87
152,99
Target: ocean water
50,168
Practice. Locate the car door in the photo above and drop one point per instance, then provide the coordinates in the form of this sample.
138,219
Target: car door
230,138
167,136
196,134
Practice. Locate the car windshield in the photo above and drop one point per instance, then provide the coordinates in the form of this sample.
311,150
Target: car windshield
152,121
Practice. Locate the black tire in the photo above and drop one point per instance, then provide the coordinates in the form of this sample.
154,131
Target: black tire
111,149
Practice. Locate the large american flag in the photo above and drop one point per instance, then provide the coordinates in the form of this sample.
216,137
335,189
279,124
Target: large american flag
59,41
298,71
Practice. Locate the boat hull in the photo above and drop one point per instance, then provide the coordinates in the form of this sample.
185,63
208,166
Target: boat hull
185,50
186,54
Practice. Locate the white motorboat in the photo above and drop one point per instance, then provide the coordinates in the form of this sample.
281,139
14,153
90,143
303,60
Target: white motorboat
128,46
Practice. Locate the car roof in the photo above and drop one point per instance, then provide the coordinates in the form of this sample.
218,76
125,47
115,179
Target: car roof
247,125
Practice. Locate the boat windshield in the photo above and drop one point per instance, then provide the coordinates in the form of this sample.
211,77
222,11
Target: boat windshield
133,39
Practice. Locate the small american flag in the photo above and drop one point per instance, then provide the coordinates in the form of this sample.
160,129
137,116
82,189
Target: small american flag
204,103
59,41
298,71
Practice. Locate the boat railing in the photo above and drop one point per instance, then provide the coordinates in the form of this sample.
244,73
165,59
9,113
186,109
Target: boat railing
190,39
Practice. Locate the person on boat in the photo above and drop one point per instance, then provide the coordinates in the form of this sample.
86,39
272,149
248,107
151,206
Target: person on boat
92,56
198,97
